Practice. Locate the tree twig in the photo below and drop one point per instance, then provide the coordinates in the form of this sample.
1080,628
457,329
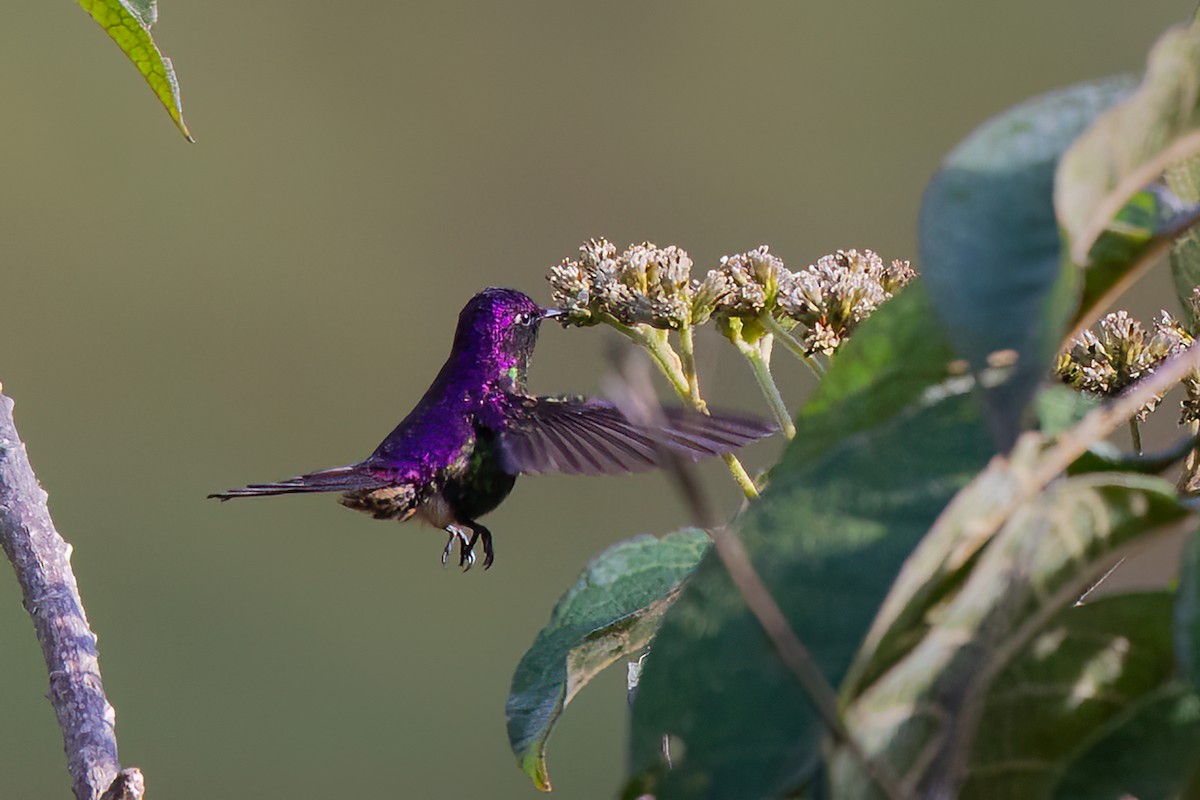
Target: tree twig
42,560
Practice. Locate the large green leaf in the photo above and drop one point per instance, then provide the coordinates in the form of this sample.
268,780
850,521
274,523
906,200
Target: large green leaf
989,243
1151,753
128,22
922,715
1087,669
940,564
948,557
611,612
892,360
827,536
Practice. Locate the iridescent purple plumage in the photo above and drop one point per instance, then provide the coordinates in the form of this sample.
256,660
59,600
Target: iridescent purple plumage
457,454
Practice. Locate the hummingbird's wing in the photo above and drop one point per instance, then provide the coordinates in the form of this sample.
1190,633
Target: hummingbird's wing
338,479
583,436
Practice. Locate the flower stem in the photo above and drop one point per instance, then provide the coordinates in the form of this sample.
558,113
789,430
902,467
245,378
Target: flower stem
792,344
687,357
669,362
759,356
1135,433
740,476
672,367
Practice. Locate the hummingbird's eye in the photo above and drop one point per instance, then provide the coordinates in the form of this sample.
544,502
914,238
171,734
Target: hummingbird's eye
522,319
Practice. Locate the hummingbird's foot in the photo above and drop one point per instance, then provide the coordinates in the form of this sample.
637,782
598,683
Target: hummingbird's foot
465,547
480,532
466,544
466,554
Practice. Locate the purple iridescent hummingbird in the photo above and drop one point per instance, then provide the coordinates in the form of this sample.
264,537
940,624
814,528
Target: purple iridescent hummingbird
456,456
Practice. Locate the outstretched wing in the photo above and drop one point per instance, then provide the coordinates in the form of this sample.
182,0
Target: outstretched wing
338,479
582,436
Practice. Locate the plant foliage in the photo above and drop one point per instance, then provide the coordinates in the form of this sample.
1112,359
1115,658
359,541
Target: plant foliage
935,528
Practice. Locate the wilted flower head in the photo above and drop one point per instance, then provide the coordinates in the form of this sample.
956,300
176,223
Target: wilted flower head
1118,353
645,284
830,298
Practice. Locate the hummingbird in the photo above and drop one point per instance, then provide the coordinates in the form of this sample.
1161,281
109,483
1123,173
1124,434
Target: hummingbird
458,453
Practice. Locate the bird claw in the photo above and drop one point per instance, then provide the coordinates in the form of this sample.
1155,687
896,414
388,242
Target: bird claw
466,548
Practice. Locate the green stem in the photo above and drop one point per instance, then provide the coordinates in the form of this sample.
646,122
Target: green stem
669,363
793,345
659,349
759,356
1135,433
687,357
740,476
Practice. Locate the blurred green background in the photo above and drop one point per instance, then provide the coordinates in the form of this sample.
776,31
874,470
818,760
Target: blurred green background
179,319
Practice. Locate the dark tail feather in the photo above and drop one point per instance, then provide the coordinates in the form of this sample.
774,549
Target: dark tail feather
337,479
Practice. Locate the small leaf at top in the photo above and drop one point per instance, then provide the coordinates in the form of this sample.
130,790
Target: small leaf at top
611,612
128,23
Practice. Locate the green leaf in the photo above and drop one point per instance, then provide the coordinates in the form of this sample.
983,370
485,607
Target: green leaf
922,715
941,563
128,22
890,362
992,509
1087,669
1060,407
1187,614
610,613
989,242
826,537
1153,753
1184,180
1104,457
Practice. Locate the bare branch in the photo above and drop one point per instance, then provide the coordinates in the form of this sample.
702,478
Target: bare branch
42,560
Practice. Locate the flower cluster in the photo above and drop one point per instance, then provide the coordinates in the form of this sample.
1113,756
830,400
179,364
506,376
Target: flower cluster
830,298
647,291
1120,352
749,283
651,285
645,284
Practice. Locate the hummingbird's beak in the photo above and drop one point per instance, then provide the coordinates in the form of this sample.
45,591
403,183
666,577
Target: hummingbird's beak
551,313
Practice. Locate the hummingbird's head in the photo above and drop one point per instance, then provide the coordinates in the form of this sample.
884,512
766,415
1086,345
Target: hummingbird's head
498,328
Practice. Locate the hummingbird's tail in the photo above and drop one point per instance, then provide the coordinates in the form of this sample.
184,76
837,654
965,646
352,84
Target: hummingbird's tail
338,479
